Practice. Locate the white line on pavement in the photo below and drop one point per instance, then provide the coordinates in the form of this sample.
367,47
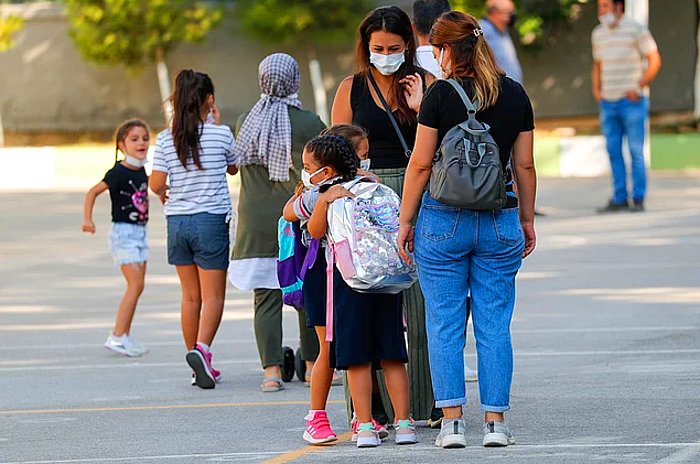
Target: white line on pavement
521,354
352,451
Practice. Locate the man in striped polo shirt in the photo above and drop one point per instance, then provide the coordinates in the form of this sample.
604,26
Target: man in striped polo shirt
625,61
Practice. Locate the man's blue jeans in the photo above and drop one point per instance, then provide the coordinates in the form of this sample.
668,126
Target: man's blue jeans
458,250
625,118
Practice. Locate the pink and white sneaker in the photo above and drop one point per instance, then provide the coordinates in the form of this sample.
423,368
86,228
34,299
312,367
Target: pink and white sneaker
318,428
200,362
381,430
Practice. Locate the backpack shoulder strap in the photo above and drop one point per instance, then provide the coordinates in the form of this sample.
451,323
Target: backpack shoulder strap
471,107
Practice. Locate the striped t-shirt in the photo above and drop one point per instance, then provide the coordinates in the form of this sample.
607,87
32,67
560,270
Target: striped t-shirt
194,190
622,53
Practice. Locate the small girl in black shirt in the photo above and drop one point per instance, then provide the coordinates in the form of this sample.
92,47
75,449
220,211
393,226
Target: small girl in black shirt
128,189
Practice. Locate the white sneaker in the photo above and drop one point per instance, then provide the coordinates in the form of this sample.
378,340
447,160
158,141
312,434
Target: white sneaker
367,436
122,345
136,345
452,434
497,434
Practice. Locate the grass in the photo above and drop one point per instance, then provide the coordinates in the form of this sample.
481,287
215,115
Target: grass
675,151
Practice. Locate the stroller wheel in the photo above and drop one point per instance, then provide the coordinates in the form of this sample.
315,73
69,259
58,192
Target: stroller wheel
288,366
300,366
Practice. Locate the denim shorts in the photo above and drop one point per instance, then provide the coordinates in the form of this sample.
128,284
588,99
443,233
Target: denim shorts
200,239
128,243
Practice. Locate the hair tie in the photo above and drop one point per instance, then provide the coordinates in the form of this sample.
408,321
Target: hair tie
478,32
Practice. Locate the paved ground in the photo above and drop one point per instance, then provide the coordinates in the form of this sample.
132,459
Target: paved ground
606,334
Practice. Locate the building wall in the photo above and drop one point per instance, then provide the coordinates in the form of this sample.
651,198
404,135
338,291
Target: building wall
45,85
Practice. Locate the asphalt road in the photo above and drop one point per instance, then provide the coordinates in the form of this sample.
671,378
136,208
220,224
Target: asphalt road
606,335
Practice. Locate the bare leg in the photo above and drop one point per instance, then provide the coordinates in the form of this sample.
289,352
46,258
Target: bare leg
134,274
454,412
213,288
360,382
397,384
322,373
191,303
493,417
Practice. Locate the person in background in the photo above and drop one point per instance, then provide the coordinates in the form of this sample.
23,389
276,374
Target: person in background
625,61
425,13
269,142
500,17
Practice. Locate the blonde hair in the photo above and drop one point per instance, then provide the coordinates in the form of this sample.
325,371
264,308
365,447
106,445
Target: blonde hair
471,55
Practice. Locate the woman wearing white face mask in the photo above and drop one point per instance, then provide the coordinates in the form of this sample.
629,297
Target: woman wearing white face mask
388,73
269,142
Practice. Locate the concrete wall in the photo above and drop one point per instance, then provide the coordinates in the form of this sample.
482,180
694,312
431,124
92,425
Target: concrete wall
46,86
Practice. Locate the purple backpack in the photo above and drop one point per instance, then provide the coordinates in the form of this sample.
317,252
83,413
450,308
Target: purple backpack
294,260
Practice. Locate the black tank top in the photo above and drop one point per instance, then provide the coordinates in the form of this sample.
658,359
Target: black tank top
385,149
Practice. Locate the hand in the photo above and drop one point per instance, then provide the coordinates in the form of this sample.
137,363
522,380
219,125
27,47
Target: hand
335,192
413,90
299,189
597,96
88,226
216,114
530,238
163,197
632,95
363,173
405,242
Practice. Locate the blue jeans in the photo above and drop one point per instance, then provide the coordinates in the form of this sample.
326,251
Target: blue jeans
457,251
625,118
200,239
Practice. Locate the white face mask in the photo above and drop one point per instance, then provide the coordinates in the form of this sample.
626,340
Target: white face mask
443,69
387,64
135,162
306,177
608,19
210,118
364,164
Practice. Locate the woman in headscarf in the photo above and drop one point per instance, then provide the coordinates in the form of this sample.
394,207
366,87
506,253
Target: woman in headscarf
269,142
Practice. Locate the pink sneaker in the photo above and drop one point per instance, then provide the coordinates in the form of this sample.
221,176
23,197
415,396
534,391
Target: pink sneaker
200,362
217,374
318,429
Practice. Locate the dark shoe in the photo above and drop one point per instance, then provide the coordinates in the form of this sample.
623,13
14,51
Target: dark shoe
637,206
613,207
435,421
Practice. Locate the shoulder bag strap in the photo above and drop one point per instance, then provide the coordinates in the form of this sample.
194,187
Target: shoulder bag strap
406,150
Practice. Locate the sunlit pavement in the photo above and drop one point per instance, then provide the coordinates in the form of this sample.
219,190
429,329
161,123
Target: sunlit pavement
606,335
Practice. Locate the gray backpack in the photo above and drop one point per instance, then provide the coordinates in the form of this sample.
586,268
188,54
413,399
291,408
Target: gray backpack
467,171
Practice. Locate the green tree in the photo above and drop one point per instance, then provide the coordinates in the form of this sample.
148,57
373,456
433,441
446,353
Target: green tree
538,19
9,25
309,23
134,33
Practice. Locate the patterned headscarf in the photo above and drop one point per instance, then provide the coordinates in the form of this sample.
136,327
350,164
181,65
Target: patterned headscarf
266,135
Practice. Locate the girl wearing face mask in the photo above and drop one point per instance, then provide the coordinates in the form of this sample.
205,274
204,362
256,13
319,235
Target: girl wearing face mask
385,52
127,183
269,142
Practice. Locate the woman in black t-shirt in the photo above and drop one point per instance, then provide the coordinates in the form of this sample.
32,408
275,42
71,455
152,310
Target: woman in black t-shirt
460,250
386,54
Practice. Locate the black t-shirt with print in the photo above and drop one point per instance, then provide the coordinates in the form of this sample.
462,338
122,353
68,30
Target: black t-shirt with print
442,109
128,189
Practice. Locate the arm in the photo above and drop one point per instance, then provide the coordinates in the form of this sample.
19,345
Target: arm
653,66
288,211
88,206
417,177
318,223
158,185
342,111
595,81
526,180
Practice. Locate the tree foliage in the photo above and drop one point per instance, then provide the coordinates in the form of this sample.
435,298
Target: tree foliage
307,21
537,19
135,32
8,26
